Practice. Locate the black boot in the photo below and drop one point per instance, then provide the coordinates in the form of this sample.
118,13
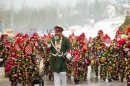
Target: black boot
96,74
49,77
69,78
121,79
116,79
76,81
109,80
104,79
128,84
13,84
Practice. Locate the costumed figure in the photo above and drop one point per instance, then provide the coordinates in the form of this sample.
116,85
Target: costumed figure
96,49
126,48
105,54
47,56
72,39
1,51
6,52
116,56
12,67
60,47
80,58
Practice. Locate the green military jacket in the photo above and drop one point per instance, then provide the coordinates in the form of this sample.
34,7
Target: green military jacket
57,64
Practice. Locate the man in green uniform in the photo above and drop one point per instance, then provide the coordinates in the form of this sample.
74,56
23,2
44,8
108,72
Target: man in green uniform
60,49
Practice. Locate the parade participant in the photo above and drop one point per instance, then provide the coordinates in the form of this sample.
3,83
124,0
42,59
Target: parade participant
115,54
1,51
118,57
19,48
60,48
72,39
104,57
108,58
80,59
84,56
13,62
27,64
76,59
46,57
6,47
96,50
126,56
6,52
74,65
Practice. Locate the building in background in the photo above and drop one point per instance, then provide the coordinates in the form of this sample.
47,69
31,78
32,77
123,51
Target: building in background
115,10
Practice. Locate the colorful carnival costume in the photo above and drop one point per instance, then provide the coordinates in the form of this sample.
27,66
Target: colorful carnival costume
117,57
1,52
13,63
46,56
96,49
105,54
80,58
126,48
6,54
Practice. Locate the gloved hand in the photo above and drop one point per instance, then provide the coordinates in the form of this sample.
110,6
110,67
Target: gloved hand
68,56
48,45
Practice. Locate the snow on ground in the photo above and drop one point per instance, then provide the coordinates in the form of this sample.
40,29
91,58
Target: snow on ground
109,27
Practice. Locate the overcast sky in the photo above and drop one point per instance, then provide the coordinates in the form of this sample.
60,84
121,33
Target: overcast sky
40,3
35,3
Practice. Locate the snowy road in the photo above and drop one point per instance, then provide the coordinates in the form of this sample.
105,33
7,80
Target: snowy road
92,81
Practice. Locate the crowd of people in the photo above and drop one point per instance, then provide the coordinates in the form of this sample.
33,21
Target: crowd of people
111,56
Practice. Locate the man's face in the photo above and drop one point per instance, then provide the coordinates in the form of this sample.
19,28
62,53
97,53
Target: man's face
58,35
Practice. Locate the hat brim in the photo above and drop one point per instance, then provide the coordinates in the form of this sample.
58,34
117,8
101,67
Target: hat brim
58,29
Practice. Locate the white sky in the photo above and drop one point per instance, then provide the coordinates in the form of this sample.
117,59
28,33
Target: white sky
35,3
40,3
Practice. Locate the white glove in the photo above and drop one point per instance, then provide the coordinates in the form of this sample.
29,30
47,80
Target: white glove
48,45
1,59
126,49
108,45
68,56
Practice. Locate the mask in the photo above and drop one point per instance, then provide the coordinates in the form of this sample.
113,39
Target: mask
107,44
13,53
118,39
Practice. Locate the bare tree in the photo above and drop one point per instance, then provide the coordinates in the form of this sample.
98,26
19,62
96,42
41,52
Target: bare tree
22,18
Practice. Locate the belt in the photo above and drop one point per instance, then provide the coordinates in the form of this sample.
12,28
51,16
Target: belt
59,55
